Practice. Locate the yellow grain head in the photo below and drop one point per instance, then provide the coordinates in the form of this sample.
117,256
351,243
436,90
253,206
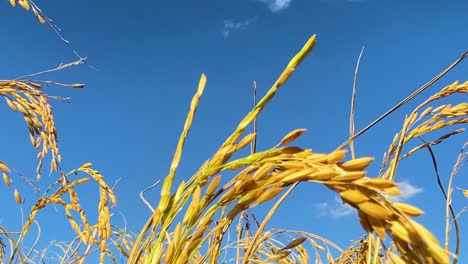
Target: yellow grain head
269,194
291,136
18,197
392,191
24,4
263,170
325,174
354,196
180,191
357,164
318,157
236,210
423,232
375,210
378,226
395,259
296,242
336,156
301,175
11,104
381,184
6,179
401,232
213,185
4,167
350,176
364,222
86,165
284,76
438,254
409,209
76,85
40,18
246,140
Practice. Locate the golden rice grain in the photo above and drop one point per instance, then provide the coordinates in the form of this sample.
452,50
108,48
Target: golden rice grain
11,104
284,77
246,140
4,167
357,164
392,191
180,191
18,197
263,170
296,242
236,210
213,185
376,183
354,196
6,179
299,57
269,194
285,173
248,198
400,231
350,176
336,156
395,259
438,253
423,232
412,118
13,3
318,157
408,209
324,175
40,18
76,85
291,136
426,111
291,150
440,108
86,165
292,164
244,184
378,226
301,175
375,210
228,196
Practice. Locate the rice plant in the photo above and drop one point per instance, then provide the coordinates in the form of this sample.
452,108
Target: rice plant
192,219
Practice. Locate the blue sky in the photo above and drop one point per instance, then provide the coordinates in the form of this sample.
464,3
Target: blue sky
150,54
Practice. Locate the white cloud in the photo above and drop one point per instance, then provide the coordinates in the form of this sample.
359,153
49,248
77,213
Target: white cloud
231,25
276,5
408,191
336,210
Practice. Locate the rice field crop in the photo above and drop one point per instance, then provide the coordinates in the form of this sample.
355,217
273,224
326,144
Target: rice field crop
191,221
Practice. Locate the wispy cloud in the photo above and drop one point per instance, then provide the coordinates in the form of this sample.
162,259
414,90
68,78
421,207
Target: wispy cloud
232,25
408,191
276,5
338,209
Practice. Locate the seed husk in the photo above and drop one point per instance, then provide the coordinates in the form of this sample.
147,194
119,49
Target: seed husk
6,179
336,156
354,196
375,210
291,136
357,164
4,167
408,209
